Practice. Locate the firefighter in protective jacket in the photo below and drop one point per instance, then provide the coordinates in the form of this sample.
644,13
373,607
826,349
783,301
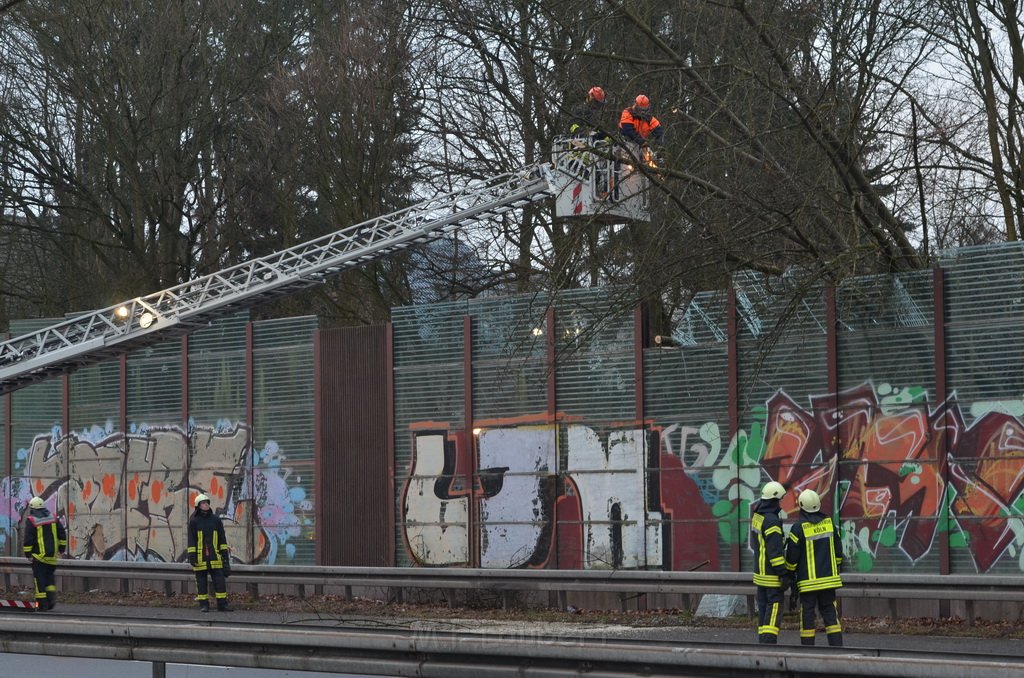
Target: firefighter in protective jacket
815,552
209,554
638,124
584,118
769,561
44,538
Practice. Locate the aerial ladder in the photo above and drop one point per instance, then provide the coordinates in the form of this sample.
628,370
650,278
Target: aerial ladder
573,178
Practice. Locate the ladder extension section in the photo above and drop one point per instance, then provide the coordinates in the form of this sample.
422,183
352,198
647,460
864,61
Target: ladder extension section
139,322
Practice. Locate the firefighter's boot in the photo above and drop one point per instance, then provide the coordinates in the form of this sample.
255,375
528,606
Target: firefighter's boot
222,606
51,597
204,606
835,639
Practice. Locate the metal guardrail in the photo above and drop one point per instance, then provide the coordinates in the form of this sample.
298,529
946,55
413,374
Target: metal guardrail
462,655
967,588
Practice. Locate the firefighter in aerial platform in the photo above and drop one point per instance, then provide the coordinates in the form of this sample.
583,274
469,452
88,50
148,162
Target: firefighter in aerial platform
769,561
584,120
209,554
814,552
585,132
638,127
44,538
638,124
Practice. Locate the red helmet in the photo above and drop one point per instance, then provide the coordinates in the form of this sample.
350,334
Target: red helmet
642,101
596,94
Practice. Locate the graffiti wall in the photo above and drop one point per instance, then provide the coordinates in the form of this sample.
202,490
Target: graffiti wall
606,508
896,470
227,412
129,496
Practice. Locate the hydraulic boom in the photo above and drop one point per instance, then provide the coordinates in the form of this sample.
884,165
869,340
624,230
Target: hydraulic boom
102,334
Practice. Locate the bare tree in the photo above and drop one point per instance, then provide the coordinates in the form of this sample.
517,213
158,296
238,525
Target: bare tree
111,123
143,144
331,143
982,73
147,143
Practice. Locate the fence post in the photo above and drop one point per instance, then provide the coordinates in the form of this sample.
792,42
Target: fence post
941,394
734,404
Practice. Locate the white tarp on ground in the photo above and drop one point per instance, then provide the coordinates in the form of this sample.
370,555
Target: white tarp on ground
721,605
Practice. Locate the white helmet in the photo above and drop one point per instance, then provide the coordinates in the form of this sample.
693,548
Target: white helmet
36,503
200,498
809,501
773,490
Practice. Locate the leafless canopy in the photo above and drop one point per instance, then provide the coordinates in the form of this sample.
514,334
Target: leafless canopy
144,143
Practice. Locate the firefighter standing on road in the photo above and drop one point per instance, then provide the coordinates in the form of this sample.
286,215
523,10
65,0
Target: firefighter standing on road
208,552
815,552
44,538
769,561
638,124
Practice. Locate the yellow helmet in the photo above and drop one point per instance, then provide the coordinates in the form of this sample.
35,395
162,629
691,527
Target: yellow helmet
36,503
773,490
200,498
809,501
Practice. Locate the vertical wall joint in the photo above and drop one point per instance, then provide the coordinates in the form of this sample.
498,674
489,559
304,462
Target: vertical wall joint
734,402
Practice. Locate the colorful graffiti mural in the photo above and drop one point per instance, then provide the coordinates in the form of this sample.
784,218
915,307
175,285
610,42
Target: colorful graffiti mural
129,496
605,511
899,464
897,470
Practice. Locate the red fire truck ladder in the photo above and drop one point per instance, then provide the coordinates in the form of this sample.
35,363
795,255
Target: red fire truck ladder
103,334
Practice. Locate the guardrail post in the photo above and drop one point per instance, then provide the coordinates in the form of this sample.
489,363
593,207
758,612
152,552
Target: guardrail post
892,609
969,611
348,593
159,670
563,600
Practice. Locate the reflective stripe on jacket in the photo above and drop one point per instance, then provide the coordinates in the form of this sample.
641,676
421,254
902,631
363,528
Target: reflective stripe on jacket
44,537
815,552
207,543
768,543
